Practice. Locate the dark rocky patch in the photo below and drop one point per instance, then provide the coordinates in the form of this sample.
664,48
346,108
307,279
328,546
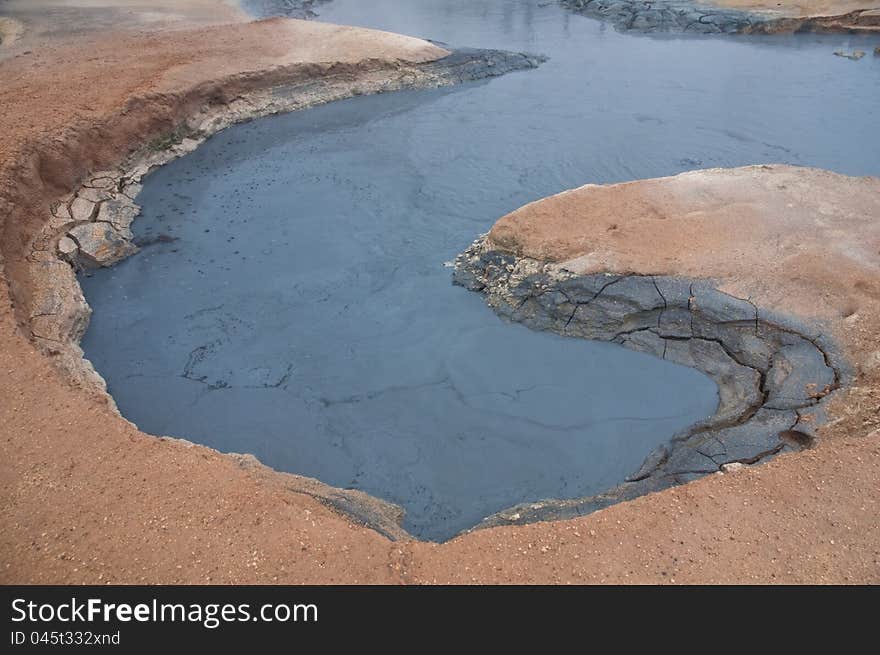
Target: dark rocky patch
291,8
668,16
469,64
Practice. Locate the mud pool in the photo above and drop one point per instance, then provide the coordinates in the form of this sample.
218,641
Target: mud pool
292,298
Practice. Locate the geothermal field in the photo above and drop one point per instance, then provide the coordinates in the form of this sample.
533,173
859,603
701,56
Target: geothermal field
440,291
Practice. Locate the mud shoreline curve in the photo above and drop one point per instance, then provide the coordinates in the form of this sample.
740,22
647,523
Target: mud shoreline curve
763,368
772,371
90,227
812,239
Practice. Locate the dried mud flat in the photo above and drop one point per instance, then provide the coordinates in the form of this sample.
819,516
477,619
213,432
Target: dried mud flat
89,498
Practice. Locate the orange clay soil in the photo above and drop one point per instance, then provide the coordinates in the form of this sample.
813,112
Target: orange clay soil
86,497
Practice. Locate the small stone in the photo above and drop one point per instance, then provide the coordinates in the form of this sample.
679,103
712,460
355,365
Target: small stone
59,312
82,209
100,244
67,247
102,180
94,195
61,211
119,213
855,55
56,222
131,190
732,467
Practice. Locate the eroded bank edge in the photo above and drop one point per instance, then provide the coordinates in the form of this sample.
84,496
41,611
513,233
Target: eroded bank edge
91,226
686,16
773,372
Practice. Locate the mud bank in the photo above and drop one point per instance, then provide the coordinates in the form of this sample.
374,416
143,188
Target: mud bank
706,18
91,226
772,372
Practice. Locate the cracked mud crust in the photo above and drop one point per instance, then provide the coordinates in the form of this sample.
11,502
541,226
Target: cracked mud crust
772,373
658,266
730,16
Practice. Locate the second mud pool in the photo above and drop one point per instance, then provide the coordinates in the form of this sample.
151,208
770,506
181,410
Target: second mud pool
293,296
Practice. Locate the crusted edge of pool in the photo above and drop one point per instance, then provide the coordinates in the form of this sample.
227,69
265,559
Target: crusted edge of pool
773,372
91,227
690,17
